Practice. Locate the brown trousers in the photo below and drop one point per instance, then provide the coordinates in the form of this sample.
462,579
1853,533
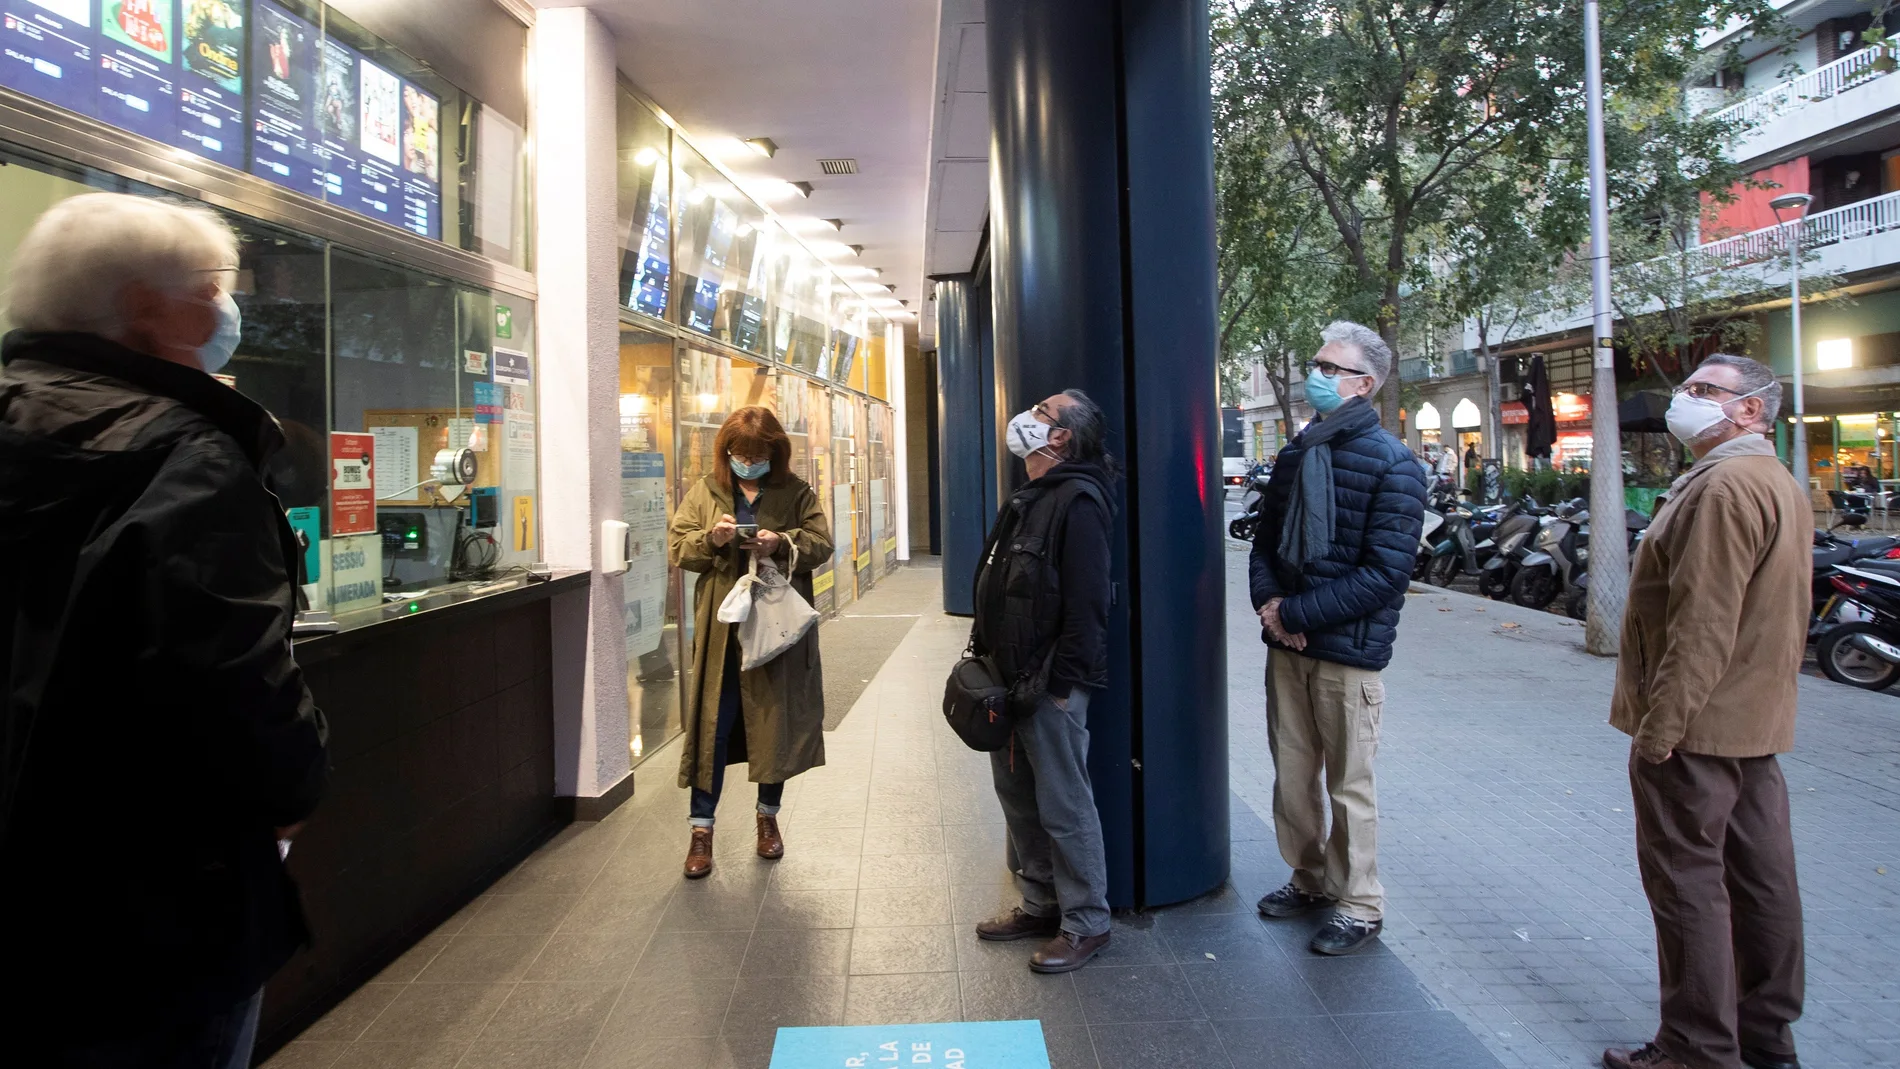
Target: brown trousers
1717,857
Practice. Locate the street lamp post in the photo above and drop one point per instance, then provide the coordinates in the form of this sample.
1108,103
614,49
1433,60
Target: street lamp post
1609,557
1797,203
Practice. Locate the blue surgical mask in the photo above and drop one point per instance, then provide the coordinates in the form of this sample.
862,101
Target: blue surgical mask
1322,391
219,348
750,471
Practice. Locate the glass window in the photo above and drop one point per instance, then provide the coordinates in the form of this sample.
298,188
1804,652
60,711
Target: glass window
717,240
646,261
881,491
651,592
845,507
361,358
818,415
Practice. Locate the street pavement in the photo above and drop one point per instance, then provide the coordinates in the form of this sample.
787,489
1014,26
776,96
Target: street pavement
1507,840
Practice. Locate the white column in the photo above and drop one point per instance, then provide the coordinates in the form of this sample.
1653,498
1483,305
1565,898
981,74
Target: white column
894,369
577,269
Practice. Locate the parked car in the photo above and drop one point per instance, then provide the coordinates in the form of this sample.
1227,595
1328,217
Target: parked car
1233,472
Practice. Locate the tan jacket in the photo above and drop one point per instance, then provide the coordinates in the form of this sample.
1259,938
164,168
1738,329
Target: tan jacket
1718,609
782,701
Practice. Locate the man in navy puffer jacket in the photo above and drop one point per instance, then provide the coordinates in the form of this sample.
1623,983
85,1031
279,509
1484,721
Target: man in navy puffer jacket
1332,557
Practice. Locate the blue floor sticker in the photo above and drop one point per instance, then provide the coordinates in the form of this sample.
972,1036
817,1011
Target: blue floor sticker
964,1045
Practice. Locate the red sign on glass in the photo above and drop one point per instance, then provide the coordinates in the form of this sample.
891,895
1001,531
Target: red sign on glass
352,484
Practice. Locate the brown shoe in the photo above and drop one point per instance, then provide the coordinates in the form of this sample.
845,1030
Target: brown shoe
699,854
1649,1056
1066,952
1018,925
771,844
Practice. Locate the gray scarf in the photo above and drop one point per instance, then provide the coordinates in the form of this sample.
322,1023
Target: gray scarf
1306,531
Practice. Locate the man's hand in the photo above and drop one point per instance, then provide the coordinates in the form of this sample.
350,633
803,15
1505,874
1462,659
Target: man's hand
1270,619
723,531
765,543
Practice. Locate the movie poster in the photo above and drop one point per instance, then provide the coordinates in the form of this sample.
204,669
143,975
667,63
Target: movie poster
214,42
382,113
79,11
336,95
422,140
143,24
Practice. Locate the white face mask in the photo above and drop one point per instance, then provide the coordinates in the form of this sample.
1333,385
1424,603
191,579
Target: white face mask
1690,418
1027,434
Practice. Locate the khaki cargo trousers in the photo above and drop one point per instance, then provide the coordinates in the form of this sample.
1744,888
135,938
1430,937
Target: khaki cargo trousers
1323,719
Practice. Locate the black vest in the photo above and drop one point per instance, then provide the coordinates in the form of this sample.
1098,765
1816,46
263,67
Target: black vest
1019,583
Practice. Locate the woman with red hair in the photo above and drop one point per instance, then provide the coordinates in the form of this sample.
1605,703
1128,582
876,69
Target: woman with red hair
771,717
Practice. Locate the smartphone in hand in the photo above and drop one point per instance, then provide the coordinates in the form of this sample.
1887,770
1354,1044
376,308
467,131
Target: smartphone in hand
746,531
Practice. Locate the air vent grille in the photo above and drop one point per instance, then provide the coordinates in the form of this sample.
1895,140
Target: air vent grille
838,166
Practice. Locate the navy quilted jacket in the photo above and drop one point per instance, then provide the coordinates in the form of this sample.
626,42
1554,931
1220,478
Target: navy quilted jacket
1347,604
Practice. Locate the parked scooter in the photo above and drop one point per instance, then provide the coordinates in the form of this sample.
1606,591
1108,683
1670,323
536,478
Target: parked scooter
1829,607
1465,543
1242,526
1514,537
1546,571
1577,604
1864,652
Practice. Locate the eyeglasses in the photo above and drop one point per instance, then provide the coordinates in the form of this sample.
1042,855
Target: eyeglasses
1332,370
1042,410
225,277
1705,390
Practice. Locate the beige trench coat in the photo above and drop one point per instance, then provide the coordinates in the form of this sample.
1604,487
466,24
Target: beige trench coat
782,703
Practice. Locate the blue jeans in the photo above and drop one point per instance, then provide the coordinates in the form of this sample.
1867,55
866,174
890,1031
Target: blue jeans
1055,833
706,802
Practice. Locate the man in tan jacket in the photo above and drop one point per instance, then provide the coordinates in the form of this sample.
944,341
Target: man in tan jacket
1705,684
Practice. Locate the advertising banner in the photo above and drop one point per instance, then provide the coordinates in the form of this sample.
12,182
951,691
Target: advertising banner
352,483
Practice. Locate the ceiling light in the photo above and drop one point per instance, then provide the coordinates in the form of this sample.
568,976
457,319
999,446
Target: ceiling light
744,230
764,146
835,224
855,271
856,250
803,188
647,156
832,249
697,195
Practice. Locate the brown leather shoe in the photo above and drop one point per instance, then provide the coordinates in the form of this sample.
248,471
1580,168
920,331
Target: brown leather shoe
1018,925
1066,952
771,844
1649,1056
699,854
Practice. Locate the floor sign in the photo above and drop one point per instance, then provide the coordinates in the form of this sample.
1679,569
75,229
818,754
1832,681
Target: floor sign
963,1045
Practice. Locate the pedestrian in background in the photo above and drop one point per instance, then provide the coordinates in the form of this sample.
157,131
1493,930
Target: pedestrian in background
771,717
1042,598
159,737
1448,464
1331,562
1713,638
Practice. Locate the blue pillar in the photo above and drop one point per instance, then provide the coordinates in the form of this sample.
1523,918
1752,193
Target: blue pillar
966,446
1102,263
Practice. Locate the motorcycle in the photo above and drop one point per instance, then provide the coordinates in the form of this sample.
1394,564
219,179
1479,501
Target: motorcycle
1242,527
1864,652
1513,538
1465,544
1577,605
1546,571
1433,522
1829,607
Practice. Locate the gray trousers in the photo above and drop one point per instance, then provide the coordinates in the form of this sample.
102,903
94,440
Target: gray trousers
1055,834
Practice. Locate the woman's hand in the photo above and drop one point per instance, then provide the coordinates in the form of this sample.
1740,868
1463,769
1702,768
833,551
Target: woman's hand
723,531
765,543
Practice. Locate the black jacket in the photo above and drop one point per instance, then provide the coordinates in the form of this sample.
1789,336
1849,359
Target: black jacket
1043,588
157,729
1347,604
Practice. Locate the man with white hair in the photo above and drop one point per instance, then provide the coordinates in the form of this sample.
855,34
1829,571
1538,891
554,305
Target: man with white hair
160,741
1713,636
1332,558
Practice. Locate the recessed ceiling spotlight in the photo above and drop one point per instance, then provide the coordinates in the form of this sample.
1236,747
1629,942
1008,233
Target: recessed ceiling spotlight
835,224
764,146
803,188
856,250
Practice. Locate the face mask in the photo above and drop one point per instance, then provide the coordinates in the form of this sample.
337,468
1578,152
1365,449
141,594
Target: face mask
1690,418
218,349
1027,434
1322,392
750,471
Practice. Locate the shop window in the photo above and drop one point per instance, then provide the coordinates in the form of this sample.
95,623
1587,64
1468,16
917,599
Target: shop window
650,592
725,254
644,154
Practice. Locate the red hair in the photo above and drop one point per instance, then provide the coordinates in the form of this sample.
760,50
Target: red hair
752,431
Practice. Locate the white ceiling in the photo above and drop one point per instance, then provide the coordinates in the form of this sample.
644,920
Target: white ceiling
959,201
823,79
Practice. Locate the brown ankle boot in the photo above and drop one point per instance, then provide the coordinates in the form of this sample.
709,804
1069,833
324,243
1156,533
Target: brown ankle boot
771,845
699,854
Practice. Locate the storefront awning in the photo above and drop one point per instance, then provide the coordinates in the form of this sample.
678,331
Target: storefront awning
1514,413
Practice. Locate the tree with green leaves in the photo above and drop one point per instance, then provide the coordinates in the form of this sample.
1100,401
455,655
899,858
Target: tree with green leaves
1407,118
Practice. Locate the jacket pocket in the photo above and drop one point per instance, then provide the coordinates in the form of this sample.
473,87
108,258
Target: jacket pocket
1023,566
1371,707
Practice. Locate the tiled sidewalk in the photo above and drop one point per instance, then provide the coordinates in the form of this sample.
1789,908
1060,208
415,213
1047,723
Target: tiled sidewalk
1507,841
596,953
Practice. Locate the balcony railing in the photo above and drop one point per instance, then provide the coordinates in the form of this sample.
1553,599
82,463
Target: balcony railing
1849,221
1819,84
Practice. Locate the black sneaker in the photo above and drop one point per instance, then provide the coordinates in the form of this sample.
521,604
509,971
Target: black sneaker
1343,935
1290,901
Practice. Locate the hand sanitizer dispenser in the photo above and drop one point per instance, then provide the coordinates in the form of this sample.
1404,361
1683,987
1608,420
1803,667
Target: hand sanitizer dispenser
616,547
